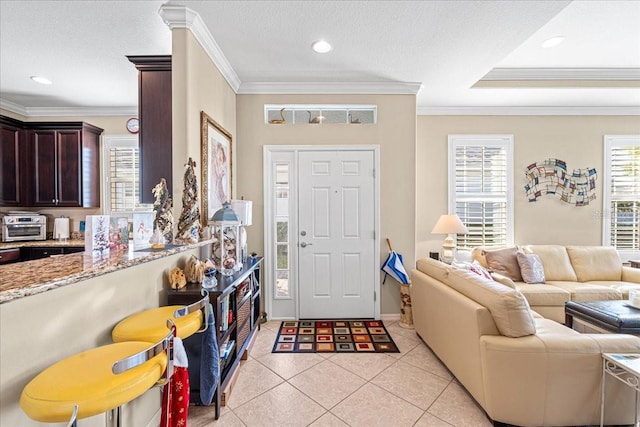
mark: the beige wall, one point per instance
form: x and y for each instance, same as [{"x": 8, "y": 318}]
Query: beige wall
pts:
[
  {"x": 578, "y": 140},
  {"x": 394, "y": 133},
  {"x": 198, "y": 86}
]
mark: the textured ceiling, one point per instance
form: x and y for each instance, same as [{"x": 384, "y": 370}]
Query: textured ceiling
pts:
[{"x": 447, "y": 46}]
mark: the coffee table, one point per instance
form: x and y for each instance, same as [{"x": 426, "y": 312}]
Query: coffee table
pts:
[
  {"x": 613, "y": 316},
  {"x": 625, "y": 368}
]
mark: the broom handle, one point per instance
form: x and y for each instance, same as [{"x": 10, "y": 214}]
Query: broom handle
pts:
[{"x": 389, "y": 244}]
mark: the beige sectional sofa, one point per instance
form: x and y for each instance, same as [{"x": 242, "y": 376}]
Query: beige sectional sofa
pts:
[
  {"x": 572, "y": 273},
  {"x": 521, "y": 368}
]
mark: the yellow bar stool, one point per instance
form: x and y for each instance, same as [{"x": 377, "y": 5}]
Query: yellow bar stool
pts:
[
  {"x": 148, "y": 325},
  {"x": 98, "y": 380}
]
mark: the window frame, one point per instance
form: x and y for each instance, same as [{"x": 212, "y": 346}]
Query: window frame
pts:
[
  {"x": 115, "y": 141},
  {"x": 609, "y": 142},
  {"x": 483, "y": 140}
]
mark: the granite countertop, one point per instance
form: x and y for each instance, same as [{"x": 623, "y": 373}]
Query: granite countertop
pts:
[
  {"x": 77, "y": 243},
  {"x": 33, "y": 277}
]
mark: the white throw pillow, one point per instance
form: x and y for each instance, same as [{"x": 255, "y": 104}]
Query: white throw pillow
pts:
[{"x": 531, "y": 268}]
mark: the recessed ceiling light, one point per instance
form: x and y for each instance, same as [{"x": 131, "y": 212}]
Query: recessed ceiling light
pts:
[
  {"x": 552, "y": 42},
  {"x": 41, "y": 80},
  {"x": 321, "y": 46}
]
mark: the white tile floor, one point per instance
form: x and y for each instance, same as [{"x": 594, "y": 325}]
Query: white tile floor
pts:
[{"x": 410, "y": 388}]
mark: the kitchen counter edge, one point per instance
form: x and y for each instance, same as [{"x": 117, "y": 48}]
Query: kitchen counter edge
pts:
[{"x": 28, "y": 278}]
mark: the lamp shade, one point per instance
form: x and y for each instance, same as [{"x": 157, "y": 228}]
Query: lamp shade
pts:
[
  {"x": 449, "y": 224},
  {"x": 243, "y": 209}
]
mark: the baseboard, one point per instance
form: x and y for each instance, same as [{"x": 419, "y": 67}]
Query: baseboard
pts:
[{"x": 390, "y": 317}]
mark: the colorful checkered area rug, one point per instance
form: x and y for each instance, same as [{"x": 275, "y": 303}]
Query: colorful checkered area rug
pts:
[{"x": 330, "y": 336}]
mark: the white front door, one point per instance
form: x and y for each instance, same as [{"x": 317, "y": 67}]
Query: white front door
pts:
[{"x": 336, "y": 234}]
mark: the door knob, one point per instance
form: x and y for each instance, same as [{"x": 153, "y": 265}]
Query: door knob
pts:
[{"x": 305, "y": 244}]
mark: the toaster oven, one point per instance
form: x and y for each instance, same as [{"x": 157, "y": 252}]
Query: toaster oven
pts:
[{"x": 18, "y": 227}]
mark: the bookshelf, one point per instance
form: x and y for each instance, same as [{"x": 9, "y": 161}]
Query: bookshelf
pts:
[{"x": 236, "y": 303}]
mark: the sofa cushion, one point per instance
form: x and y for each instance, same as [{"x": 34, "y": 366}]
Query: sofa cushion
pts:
[
  {"x": 530, "y": 267},
  {"x": 503, "y": 279},
  {"x": 630, "y": 274},
  {"x": 507, "y": 306},
  {"x": 543, "y": 295},
  {"x": 595, "y": 262},
  {"x": 555, "y": 261},
  {"x": 582, "y": 292},
  {"x": 622, "y": 287},
  {"x": 436, "y": 269},
  {"x": 505, "y": 262}
]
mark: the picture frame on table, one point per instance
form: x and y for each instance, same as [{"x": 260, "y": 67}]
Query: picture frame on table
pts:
[
  {"x": 142, "y": 229},
  {"x": 216, "y": 156}
]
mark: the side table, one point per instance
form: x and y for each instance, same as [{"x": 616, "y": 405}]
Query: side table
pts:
[{"x": 625, "y": 368}]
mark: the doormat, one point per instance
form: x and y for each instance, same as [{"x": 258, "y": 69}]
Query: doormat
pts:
[{"x": 334, "y": 336}]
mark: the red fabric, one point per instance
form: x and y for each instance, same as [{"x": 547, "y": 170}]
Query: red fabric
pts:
[{"x": 177, "y": 393}]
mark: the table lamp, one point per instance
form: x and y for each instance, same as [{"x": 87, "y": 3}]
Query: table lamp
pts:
[
  {"x": 449, "y": 225},
  {"x": 244, "y": 210}
]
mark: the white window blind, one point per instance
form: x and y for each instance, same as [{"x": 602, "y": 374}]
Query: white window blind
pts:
[
  {"x": 122, "y": 175},
  {"x": 480, "y": 190},
  {"x": 622, "y": 193}
]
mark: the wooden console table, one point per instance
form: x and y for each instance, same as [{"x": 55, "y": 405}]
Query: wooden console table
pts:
[{"x": 236, "y": 304}]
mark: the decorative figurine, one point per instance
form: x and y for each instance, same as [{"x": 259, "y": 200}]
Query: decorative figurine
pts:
[
  {"x": 279, "y": 121},
  {"x": 162, "y": 206},
  {"x": 189, "y": 223},
  {"x": 177, "y": 279},
  {"x": 157, "y": 240}
]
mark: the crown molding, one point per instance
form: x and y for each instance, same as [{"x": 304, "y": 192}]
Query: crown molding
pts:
[
  {"x": 13, "y": 107},
  {"x": 563, "y": 74},
  {"x": 67, "y": 111},
  {"x": 395, "y": 88},
  {"x": 179, "y": 16},
  {"x": 528, "y": 111}
]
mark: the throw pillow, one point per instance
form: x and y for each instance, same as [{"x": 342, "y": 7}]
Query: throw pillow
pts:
[
  {"x": 531, "y": 268},
  {"x": 505, "y": 262}
]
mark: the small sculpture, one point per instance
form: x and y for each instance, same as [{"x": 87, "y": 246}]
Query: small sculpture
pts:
[
  {"x": 279, "y": 121},
  {"x": 194, "y": 271},
  {"x": 163, "y": 206},
  {"x": 189, "y": 223},
  {"x": 177, "y": 279},
  {"x": 316, "y": 119},
  {"x": 157, "y": 240},
  {"x": 353, "y": 121}
]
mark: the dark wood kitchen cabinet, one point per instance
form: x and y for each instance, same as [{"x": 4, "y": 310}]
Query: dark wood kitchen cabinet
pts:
[
  {"x": 37, "y": 252},
  {"x": 154, "y": 112},
  {"x": 12, "y": 159},
  {"x": 49, "y": 164}
]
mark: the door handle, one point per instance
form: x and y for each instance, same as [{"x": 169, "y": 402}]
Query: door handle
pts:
[{"x": 305, "y": 244}]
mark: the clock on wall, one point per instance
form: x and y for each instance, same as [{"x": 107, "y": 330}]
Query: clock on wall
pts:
[{"x": 133, "y": 125}]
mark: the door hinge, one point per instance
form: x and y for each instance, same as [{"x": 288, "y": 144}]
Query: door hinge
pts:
[{"x": 374, "y": 296}]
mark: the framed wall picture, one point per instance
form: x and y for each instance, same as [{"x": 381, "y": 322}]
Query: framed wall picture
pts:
[{"x": 216, "y": 152}]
